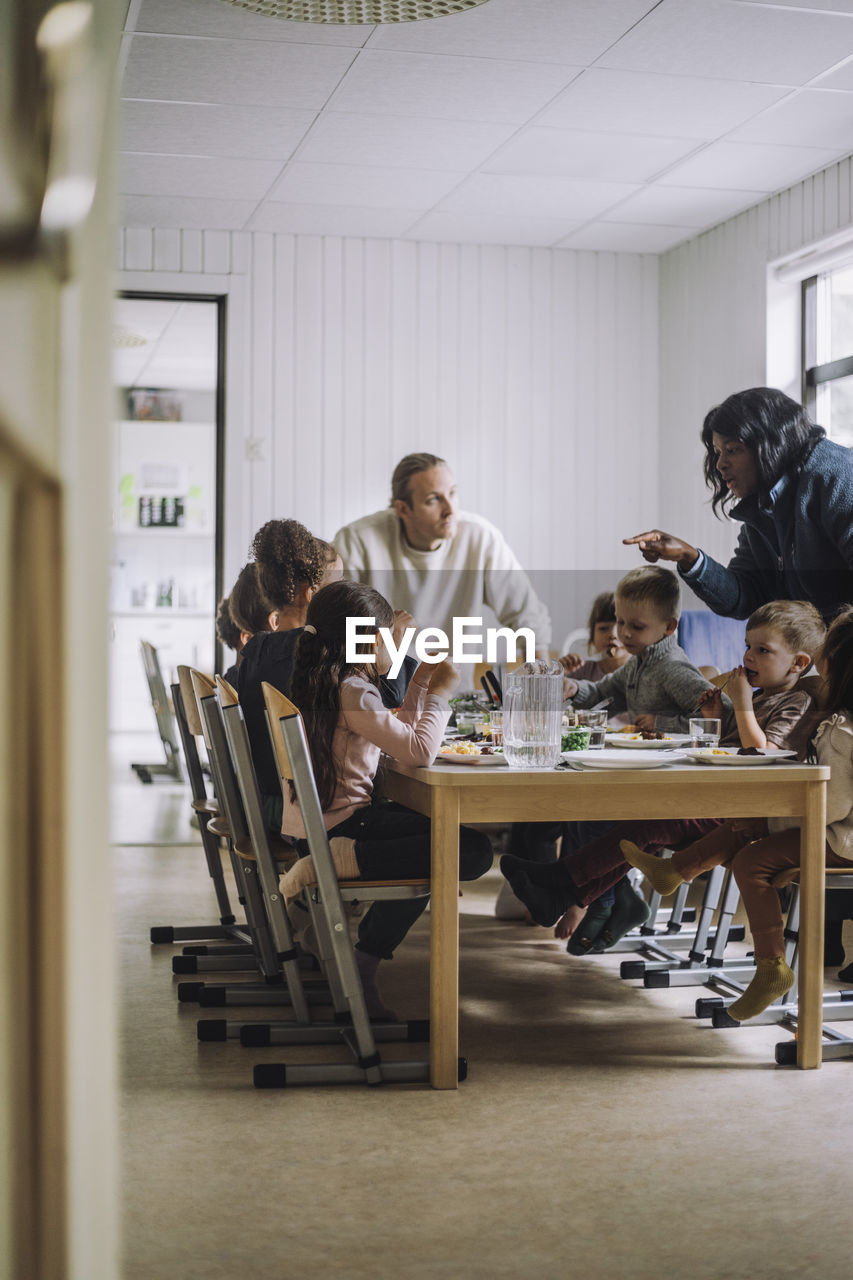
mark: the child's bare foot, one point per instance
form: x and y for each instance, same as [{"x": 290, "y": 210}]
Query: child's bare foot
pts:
[{"x": 566, "y": 925}]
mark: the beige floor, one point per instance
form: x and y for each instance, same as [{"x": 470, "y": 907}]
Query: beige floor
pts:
[{"x": 602, "y": 1133}]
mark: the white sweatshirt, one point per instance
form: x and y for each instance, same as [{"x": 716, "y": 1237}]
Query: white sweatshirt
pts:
[
  {"x": 473, "y": 568},
  {"x": 833, "y": 747}
]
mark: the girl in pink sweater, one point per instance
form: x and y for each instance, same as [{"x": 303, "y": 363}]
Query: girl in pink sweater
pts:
[{"x": 348, "y": 728}]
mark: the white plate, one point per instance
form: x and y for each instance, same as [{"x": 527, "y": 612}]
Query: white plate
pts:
[
  {"x": 705, "y": 755},
  {"x": 452, "y": 758},
  {"x": 607, "y": 759},
  {"x": 648, "y": 744}
]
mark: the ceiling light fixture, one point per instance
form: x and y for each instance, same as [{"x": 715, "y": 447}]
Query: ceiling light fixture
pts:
[{"x": 355, "y": 12}]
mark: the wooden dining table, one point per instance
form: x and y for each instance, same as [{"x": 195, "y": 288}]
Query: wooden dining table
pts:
[{"x": 451, "y": 794}]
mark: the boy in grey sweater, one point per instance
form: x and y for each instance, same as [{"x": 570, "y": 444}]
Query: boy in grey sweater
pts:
[{"x": 658, "y": 686}]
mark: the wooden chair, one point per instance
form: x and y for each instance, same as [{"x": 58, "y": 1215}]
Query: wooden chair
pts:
[
  {"x": 326, "y": 903},
  {"x": 165, "y": 723},
  {"x": 204, "y": 807},
  {"x": 258, "y": 857}
]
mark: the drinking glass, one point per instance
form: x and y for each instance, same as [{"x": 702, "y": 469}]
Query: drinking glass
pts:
[
  {"x": 596, "y": 722},
  {"x": 704, "y": 733},
  {"x": 496, "y": 724}
]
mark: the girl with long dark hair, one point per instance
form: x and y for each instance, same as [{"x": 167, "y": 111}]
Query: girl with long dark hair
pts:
[{"x": 348, "y": 727}]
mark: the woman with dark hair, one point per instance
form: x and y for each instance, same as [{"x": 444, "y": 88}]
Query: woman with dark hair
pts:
[
  {"x": 769, "y": 467},
  {"x": 347, "y": 727}
]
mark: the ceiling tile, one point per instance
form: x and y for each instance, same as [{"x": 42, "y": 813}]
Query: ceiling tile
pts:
[
  {"x": 748, "y": 165},
  {"x": 842, "y": 78},
  {"x": 245, "y": 73},
  {"x": 175, "y": 211},
  {"x": 488, "y": 228},
  {"x": 606, "y": 157},
  {"x": 810, "y": 114},
  {"x": 667, "y": 105},
  {"x": 203, "y": 18},
  {"x": 197, "y": 176},
  {"x": 544, "y": 198},
  {"x": 836, "y": 6},
  {"x": 541, "y": 30},
  {"x": 199, "y": 129},
  {"x": 412, "y": 143},
  {"x": 734, "y": 41},
  {"x": 332, "y": 220},
  {"x": 628, "y": 237},
  {"x": 683, "y": 206},
  {"x": 411, "y": 84},
  {"x": 342, "y": 184}
]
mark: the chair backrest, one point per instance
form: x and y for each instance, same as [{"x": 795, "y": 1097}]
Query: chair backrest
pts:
[
  {"x": 227, "y": 693},
  {"x": 278, "y": 707},
  {"x": 202, "y": 687},
  {"x": 224, "y": 778},
  {"x": 190, "y": 705},
  {"x": 159, "y": 697},
  {"x": 188, "y": 740}
]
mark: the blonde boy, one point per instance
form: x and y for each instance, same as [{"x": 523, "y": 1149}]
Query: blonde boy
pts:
[{"x": 658, "y": 686}]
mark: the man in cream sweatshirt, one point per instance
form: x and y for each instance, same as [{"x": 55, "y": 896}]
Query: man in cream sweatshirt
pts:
[{"x": 428, "y": 557}]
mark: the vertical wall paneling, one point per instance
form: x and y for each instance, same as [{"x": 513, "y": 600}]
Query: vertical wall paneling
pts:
[
  {"x": 217, "y": 252},
  {"x": 533, "y": 371},
  {"x": 283, "y": 420},
  {"x": 262, "y": 441},
  {"x": 239, "y": 473},
  {"x": 332, "y": 403},
  {"x": 191, "y": 250},
  {"x": 461, "y": 443},
  {"x": 138, "y": 249},
  {"x": 167, "y": 249},
  {"x": 543, "y": 510},
  {"x": 517, "y": 339},
  {"x": 376, "y": 431},
  {"x": 845, "y": 173},
  {"x": 404, "y": 392},
  {"x": 352, "y": 443}
]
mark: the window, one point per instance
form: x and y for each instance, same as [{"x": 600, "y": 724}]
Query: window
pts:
[{"x": 828, "y": 352}]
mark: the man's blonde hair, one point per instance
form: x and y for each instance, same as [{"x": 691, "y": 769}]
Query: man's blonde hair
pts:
[
  {"x": 654, "y": 585},
  {"x": 797, "y": 622}
]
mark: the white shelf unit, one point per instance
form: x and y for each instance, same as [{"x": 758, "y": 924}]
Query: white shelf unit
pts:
[{"x": 176, "y": 459}]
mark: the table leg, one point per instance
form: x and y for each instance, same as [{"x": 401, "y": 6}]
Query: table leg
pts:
[
  {"x": 444, "y": 939},
  {"x": 810, "y": 949}
]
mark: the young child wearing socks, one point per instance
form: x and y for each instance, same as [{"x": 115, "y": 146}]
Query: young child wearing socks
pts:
[
  {"x": 781, "y": 640},
  {"x": 771, "y": 856}
]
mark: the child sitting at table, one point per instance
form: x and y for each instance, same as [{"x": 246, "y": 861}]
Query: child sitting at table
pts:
[
  {"x": 771, "y": 856},
  {"x": 782, "y": 639},
  {"x": 658, "y": 685},
  {"x": 347, "y": 727},
  {"x": 608, "y": 654}
]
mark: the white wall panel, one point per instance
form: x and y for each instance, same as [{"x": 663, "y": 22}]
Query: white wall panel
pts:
[{"x": 533, "y": 371}]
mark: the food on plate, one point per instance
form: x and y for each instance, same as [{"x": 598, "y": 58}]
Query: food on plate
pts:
[
  {"x": 466, "y": 749},
  {"x": 749, "y": 751},
  {"x": 646, "y": 735}
]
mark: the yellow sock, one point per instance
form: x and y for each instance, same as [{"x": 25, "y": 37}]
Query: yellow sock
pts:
[
  {"x": 772, "y": 979},
  {"x": 658, "y": 871}
]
